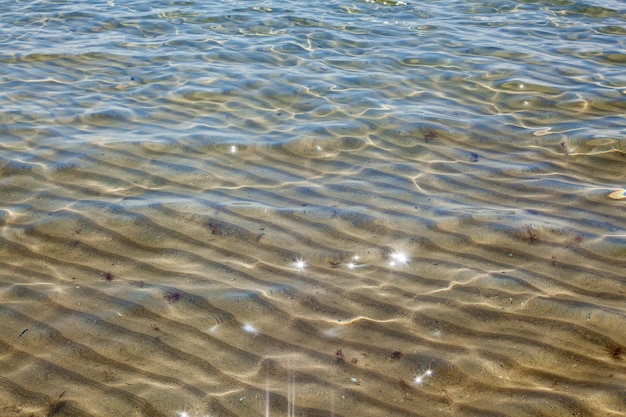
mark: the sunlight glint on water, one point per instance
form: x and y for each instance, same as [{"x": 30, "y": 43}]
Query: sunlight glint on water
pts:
[{"x": 259, "y": 208}]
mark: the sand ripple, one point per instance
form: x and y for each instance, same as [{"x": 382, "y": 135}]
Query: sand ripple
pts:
[
  {"x": 328, "y": 276},
  {"x": 346, "y": 210}
]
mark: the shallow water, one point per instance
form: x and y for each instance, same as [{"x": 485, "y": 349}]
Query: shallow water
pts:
[{"x": 312, "y": 208}]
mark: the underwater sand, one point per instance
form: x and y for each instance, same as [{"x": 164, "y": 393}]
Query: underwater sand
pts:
[
  {"x": 244, "y": 210},
  {"x": 298, "y": 289}
]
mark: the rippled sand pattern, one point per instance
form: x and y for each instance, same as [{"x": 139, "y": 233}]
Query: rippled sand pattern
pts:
[{"x": 275, "y": 215}]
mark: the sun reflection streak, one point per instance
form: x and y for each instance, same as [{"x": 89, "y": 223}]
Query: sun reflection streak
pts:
[
  {"x": 267, "y": 397},
  {"x": 419, "y": 379},
  {"x": 398, "y": 259},
  {"x": 299, "y": 264},
  {"x": 291, "y": 396}
]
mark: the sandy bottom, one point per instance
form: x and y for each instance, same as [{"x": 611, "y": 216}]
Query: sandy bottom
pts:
[{"x": 345, "y": 277}]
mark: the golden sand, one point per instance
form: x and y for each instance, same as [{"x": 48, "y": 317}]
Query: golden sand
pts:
[{"x": 320, "y": 278}]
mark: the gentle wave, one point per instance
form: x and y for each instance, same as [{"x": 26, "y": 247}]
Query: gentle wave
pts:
[{"x": 324, "y": 209}]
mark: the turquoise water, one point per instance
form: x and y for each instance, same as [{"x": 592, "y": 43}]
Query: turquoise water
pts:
[{"x": 254, "y": 208}]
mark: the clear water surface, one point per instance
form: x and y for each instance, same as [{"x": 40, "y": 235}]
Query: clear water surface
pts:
[{"x": 254, "y": 208}]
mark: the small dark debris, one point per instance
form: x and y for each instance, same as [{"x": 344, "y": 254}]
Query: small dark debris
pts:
[
  {"x": 171, "y": 296},
  {"x": 530, "y": 232},
  {"x": 396, "y": 355},
  {"x": 108, "y": 277},
  {"x": 428, "y": 136},
  {"x": 56, "y": 405},
  {"x": 614, "y": 351},
  {"x": 473, "y": 157},
  {"x": 339, "y": 357},
  {"x": 214, "y": 228},
  {"x": 334, "y": 263},
  {"x": 404, "y": 387}
]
